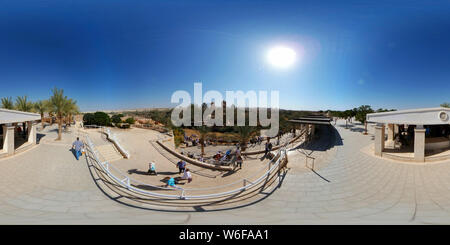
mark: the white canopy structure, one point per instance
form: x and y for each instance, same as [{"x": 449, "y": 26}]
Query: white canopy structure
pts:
[
  {"x": 428, "y": 116},
  {"x": 11, "y": 116},
  {"x": 9, "y": 120},
  {"x": 416, "y": 117}
]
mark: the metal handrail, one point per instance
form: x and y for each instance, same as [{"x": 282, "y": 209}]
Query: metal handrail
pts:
[
  {"x": 127, "y": 180},
  {"x": 111, "y": 136}
]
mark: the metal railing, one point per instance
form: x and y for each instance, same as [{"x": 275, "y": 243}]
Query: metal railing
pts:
[
  {"x": 112, "y": 137},
  {"x": 130, "y": 184}
]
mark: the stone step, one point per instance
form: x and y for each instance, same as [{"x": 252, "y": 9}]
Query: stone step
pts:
[{"x": 108, "y": 153}]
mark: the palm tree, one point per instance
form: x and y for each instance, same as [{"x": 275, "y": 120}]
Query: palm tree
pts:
[
  {"x": 7, "y": 103},
  {"x": 70, "y": 109},
  {"x": 446, "y": 104},
  {"x": 245, "y": 132},
  {"x": 203, "y": 132},
  {"x": 58, "y": 104},
  {"x": 361, "y": 115},
  {"x": 22, "y": 104},
  {"x": 41, "y": 107}
]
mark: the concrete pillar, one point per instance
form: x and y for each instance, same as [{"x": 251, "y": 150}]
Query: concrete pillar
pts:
[
  {"x": 379, "y": 139},
  {"x": 8, "y": 138},
  {"x": 419, "y": 144},
  {"x": 390, "y": 132},
  {"x": 31, "y": 132}
]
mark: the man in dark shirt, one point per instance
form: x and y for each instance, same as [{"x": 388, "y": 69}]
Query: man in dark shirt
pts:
[{"x": 181, "y": 166}]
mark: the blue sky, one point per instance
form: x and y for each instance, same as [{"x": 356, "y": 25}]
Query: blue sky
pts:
[{"x": 133, "y": 54}]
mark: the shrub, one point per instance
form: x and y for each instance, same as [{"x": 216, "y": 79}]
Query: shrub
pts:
[
  {"x": 130, "y": 120},
  {"x": 102, "y": 119},
  {"x": 116, "y": 118},
  {"x": 88, "y": 119},
  {"x": 124, "y": 125}
]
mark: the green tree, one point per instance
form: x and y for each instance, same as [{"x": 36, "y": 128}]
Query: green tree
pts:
[
  {"x": 88, "y": 119},
  {"x": 101, "y": 119},
  {"x": 203, "y": 132},
  {"x": 117, "y": 118},
  {"x": 58, "y": 105},
  {"x": 361, "y": 115},
  {"x": 245, "y": 132},
  {"x": 23, "y": 104},
  {"x": 130, "y": 120},
  {"x": 347, "y": 114},
  {"x": 446, "y": 104},
  {"x": 41, "y": 107},
  {"x": 7, "y": 103},
  {"x": 70, "y": 109}
]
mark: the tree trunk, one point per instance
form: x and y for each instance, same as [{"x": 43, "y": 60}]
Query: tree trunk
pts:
[
  {"x": 365, "y": 127},
  {"x": 59, "y": 127},
  {"x": 202, "y": 143},
  {"x": 243, "y": 146},
  {"x": 42, "y": 120}
]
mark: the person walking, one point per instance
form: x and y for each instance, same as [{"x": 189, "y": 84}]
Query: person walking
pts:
[
  {"x": 181, "y": 166},
  {"x": 239, "y": 162},
  {"x": 77, "y": 146}
]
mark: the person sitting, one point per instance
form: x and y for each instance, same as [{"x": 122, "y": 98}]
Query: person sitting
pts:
[
  {"x": 217, "y": 156},
  {"x": 152, "y": 169},
  {"x": 171, "y": 182}
]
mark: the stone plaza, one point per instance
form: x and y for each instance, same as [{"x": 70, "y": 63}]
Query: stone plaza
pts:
[{"x": 349, "y": 184}]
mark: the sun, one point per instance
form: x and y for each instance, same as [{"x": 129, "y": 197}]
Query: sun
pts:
[{"x": 281, "y": 57}]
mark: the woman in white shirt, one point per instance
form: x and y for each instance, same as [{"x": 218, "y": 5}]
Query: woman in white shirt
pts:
[{"x": 187, "y": 175}]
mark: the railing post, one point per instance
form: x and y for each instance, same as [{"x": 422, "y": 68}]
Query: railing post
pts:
[{"x": 245, "y": 182}]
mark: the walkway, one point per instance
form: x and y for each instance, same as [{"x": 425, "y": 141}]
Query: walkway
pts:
[{"x": 46, "y": 185}]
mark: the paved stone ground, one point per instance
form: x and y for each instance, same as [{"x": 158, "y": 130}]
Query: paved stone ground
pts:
[{"x": 46, "y": 185}]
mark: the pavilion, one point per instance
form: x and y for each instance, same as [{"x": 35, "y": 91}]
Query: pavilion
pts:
[
  {"x": 17, "y": 131},
  {"x": 416, "y": 135},
  {"x": 312, "y": 121}
]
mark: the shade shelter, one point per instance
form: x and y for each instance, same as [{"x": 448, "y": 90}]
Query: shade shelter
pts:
[
  {"x": 311, "y": 121},
  {"x": 17, "y": 127},
  {"x": 426, "y": 130}
]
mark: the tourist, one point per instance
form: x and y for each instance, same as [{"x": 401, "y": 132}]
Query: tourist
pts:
[
  {"x": 77, "y": 145},
  {"x": 266, "y": 149},
  {"x": 187, "y": 175},
  {"x": 238, "y": 152},
  {"x": 171, "y": 182},
  {"x": 152, "y": 169},
  {"x": 181, "y": 166},
  {"x": 239, "y": 162}
]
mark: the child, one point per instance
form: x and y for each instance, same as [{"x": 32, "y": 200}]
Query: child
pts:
[{"x": 152, "y": 169}]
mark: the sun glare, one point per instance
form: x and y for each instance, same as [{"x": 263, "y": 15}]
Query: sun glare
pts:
[{"x": 281, "y": 57}]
